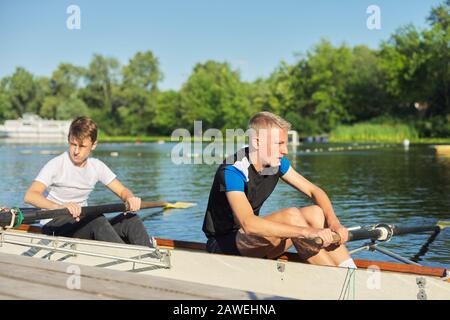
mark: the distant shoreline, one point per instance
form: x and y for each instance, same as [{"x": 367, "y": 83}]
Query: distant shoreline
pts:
[{"x": 156, "y": 139}]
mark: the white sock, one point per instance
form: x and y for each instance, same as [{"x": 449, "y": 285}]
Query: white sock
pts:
[{"x": 349, "y": 263}]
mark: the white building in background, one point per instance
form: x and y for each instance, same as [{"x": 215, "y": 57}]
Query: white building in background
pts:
[
  {"x": 31, "y": 126},
  {"x": 295, "y": 139}
]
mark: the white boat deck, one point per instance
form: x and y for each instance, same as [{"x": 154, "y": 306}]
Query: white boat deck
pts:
[{"x": 36, "y": 279}]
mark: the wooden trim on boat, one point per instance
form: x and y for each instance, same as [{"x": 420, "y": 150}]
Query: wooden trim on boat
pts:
[
  {"x": 172, "y": 244},
  {"x": 29, "y": 228},
  {"x": 404, "y": 268},
  {"x": 292, "y": 257}
]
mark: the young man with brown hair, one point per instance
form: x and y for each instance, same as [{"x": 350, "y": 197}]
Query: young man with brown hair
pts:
[
  {"x": 69, "y": 179},
  {"x": 244, "y": 182}
]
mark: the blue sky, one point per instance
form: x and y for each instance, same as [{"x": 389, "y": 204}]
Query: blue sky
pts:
[{"x": 252, "y": 35}]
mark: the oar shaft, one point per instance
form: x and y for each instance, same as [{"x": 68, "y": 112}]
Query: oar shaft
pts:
[
  {"x": 379, "y": 233},
  {"x": 383, "y": 232},
  {"x": 31, "y": 215},
  {"x": 415, "y": 229},
  {"x": 155, "y": 204},
  {"x": 362, "y": 234}
]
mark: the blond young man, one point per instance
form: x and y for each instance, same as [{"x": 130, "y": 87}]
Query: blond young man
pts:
[
  {"x": 244, "y": 182},
  {"x": 69, "y": 179}
]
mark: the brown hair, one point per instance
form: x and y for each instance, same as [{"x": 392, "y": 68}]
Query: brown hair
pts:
[
  {"x": 83, "y": 127},
  {"x": 267, "y": 120}
]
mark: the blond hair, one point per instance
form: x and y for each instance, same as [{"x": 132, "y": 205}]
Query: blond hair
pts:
[{"x": 266, "y": 120}]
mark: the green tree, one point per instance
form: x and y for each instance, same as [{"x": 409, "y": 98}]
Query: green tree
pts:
[
  {"x": 167, "y": 112},
  {"x": 331, "y": 68},
  {"x": 318, "y": 86},
  {"x": 21, "y": 90},
  {"x": 280, "y": 96},
  {"x": 139, "y": 93},
  {"x": 6, "y": 108},
  {"x": 366, "y": 96},
  {"x": 71, "y": 108},
  {"x": 438, "y": 44},
  {"x": 62, "y": 91},
  {"x": 65, "y": 80},
  {"x": 214, "y": 94},
  {"x": 102, "y": 92},
  {"x": 417, "y": 65}
]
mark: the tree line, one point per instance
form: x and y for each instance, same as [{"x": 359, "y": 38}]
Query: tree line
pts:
[{"x": 405, "y": 80}]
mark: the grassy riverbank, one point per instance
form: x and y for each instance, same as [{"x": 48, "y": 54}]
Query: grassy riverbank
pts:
[
  {"x": 369, "y": 132},
  {"x": 380, "y": 133},
  {"x": 140, "y": 139},
  {"x": 135, "y": 139},
  {"x": 361, "y": 133}
]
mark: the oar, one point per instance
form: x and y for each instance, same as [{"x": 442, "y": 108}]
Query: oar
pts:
[
  {"x": 30, "y": 215},
  {"x": 383, "y": 232}
]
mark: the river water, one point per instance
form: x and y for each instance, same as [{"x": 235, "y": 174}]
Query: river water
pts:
[{"x": 367, "y": 184}]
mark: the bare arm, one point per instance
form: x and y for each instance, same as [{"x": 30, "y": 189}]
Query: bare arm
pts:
[
  {"x": 35, "y": 197},
  {"x": 255, "y": 225},
  {"x": 319, "y": 197},
  {"x": 134, "y": 203}
]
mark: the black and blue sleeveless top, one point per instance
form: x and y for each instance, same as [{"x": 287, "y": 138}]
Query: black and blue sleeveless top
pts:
[{"x": 236, "y": 173}]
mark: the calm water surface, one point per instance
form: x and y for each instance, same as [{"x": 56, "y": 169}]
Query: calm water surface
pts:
[{"x": 367, "y": 186}]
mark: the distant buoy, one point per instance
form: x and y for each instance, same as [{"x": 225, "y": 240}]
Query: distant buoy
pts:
[
  {"x": 406, "y": 143},
  {"x": 161, "y": 142},
  {"x": 114, "y": 154},
  {"x": 47, "y": 152}
]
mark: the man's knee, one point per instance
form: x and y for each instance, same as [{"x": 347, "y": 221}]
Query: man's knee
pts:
[
  {"x": 99, "y": 221},
  {"x": 132, "y": 219},
  {"x": 132, "y": 223},
  {"x": 295, "y": 217},
  {"x": 314, "y": 216}
]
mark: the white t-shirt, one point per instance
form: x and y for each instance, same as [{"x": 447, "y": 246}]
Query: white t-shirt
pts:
[{"x": 66, "y": 182}]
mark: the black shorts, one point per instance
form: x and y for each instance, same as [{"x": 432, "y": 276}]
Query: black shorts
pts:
[{"x": 223, "y": 244}]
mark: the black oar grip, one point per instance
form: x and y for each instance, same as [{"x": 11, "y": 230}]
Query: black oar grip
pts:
[
  {"x": 31, "y": 215},
  {"x": 5, "y": 218}
]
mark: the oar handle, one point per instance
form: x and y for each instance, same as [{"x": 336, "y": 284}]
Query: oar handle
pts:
[{"x": 336, "y": 239}]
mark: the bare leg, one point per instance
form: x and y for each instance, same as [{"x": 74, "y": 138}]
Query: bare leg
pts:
[
  {"x": 293, "y": 216},
  {"x": 315, "y": 218}
]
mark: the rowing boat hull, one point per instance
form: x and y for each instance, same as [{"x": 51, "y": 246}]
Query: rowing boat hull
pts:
[{"x": 271, "y": 277}]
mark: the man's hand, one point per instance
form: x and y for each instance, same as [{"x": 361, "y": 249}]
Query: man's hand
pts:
[
  {"x": 341, "y": 231},
  {"x": 74, "y": 209},
  {"x": 134, "y": 204},
  {"x": 325, "y": 234}
]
